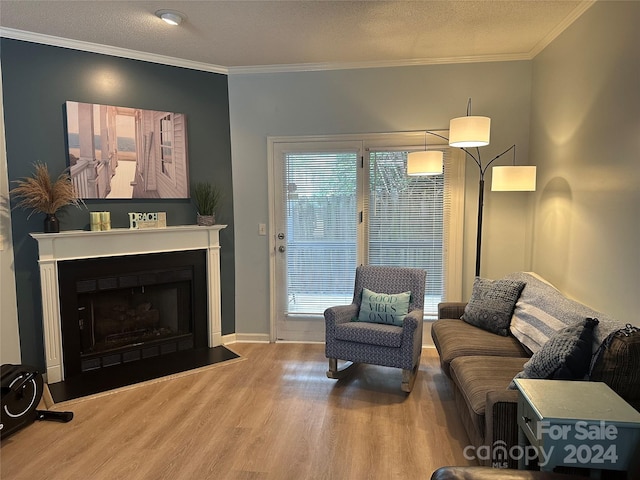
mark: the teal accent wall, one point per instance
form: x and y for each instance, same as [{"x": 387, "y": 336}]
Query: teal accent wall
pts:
[{"x": 37, "y": 80}]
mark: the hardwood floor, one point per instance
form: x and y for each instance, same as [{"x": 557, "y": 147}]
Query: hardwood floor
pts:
[{"x": 272, "y": 415}]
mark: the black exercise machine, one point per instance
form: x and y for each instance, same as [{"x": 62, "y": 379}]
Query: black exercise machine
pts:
[{"x": 22, "y": 388}]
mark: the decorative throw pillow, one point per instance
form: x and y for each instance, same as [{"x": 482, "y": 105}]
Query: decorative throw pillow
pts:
[
  {"x": 542, "y": 310},
  {"x": 383, "y": 308},
  {"x": 565, "y": 356},
  {"x": 617, "y": 363},
  {"x": 491, "y": 304}
]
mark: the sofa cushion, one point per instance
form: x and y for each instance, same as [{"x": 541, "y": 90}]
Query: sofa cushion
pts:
[
  {"x": 566, "y": 356},
  {"x": 385, "y": 308},
  {"x": 370, "y": 333},
  {"x": 476, "y": 376},
  {"x": 491, "y": 304},
  {"x": 454, "y": 338}
]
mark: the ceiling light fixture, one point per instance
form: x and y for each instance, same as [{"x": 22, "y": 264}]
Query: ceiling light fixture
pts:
[{"x": 170, "y": 16}]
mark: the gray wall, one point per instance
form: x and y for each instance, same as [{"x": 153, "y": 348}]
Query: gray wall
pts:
[
  {"x": 370, "y": 101},
  {"x": 584, "y": 137},
  {"x": 37, "y": 81}
]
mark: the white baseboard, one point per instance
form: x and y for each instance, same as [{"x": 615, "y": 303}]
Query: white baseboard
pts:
[
  {"x": 308, "y": 342},
  {"x": 264, "y": 338},
  {"x": 246, "y": 338}
]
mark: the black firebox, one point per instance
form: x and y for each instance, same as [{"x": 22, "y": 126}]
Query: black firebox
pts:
[{"x": 119, "y": 310}]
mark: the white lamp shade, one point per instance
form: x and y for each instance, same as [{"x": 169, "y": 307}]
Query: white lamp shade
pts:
[
  {"x": 470, "y": 131},
  {"x": 424, "y": 163},
  {"x": 513, "y": 179}
]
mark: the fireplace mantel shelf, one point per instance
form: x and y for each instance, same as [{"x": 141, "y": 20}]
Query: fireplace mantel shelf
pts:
[
  {"x": 84, "y": 244},
  {"x": 125, "y": 231},
  {"x": 76, "y": 244}
]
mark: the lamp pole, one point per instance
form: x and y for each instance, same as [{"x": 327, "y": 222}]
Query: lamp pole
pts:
[
  {"x": 479, "y": 229},
  {"x": 482, "y": 169}
]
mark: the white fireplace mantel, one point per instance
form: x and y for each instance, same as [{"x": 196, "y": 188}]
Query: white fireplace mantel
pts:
[{"x": 82, "y": 244}]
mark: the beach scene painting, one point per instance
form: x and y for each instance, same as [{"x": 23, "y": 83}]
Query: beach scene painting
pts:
[{"x": 126, "y": 152}]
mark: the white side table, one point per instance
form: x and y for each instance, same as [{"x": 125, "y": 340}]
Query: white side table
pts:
[{"x": 576, "y": 424}]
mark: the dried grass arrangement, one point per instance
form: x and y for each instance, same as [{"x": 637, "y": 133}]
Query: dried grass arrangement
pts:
[{"x": 41, "y": 194}]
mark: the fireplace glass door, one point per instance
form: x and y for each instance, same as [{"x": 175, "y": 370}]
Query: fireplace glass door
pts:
[{"x": 127, "y": 318}]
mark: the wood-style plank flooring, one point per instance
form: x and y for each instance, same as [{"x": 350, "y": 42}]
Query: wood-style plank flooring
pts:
[{"x": 271, "y": 415}]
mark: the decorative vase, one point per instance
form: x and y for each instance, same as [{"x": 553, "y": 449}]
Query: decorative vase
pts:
[
  {"x": 206, "y": 220},
  {"x": 51, "y": 223}
]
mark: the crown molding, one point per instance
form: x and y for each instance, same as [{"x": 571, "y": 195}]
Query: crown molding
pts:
[
  {"x": 109, "y": 50},
  {"x": 561, "y": 27},
  {"x": 314, "y": 67}
]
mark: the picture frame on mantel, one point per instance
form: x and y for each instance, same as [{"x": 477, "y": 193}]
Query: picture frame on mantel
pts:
[{"x": 120, "y": 152}]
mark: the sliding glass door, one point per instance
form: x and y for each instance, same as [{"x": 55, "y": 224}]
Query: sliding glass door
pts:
[{"x": 339, "y": 204}]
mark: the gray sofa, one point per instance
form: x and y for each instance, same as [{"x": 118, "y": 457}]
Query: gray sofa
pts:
[{"x": 482, "y": 364}]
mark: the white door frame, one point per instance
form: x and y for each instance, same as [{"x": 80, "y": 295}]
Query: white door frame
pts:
[
  {"x": 455, "y": 229},
  {"x": 348, "y": 143}
]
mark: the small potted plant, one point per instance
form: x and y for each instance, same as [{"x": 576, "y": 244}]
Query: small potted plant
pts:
[
  {"x": 42, "y": 194},
  {"x": 207, "y": 197}
]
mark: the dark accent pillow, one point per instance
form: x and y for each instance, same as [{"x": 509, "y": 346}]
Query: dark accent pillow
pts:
[
  {"x": 565, "y": 356},
  {"x": 491, "y": 304},
  {"x": 617, "y": 363}
]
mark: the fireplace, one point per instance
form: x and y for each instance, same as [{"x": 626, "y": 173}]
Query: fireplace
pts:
[
  {"x": 118, "y": 296},
  {"x": 125, "y": 309}
]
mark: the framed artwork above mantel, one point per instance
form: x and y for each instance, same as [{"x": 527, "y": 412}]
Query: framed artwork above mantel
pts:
[{"x": 120, "y": 152}]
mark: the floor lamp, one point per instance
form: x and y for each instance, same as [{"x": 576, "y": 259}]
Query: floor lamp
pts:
[{"x": 473, "y": 132}]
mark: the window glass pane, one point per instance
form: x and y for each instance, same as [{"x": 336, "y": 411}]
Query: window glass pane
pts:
[
  {"x": 166, "y": 149},
  {"x": 405, "y": 216},
  {"x": 321, "y": 212}
]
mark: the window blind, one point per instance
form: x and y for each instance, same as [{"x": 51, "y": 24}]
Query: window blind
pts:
[
  {"x": 339, "y": 212},
  {"x": 321, "y": 215},
  {"x": 406, "y": 217}
]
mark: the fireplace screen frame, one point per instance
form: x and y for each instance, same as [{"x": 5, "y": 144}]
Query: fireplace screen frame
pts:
[{"x": 111, "y": 273}]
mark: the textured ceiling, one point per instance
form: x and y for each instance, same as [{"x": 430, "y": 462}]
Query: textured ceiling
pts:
[{"x": 331, "y": 33}]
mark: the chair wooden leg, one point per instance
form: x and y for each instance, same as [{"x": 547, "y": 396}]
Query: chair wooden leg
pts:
[
  {"x": 336, "y": 373},
  {"x": 409, "y": 378}
]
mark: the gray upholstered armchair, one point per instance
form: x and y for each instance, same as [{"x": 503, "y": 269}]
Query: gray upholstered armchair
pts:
[{"x": 374, "y": 343}]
